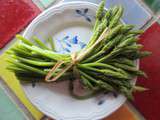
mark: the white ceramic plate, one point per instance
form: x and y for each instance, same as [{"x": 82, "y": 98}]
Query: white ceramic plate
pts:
[{"x": 70, "y": 26}]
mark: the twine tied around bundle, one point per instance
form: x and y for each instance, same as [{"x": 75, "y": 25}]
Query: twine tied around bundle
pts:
[
  {"x": 49, "y": 78},
  {"x": 74, "y": 60}
]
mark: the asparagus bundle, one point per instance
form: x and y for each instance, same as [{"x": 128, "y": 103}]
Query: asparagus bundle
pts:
[{"x": 106, "y": 64}]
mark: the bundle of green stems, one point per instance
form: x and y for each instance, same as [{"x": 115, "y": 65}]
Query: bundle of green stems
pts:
[{"x": 106, "y": 64}]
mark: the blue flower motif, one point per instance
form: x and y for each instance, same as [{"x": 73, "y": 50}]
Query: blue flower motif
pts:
[
  {"x": 86, "y": 10},
  {"x": 88, "y": 19},
  {"x": 68, "y": 43},
  {"x": 82, "y": 45},
  {"x": 66, "y": 37},
  {"x": 83, "y": 13},
  {"x": 75, "y": 40},
  {"x": 79, "y": 12},
  {"x": 101, "y": 102},
  {"x": 67, "y": 50},
  {"x": 65, "y": 40}
]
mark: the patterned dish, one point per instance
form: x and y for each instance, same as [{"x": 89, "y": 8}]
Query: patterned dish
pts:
[{"x": 70, "y": 26}]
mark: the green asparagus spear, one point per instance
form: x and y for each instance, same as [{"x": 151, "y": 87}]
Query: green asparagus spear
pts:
[
  {"x": 129, "y": 68},
  {"x": 24, "y": 39},
  {"x": 137, "y": 55},
  {"x": 27, "y": 67},
  {"x": 126, "y": 28},
  {"x": 116, "y": 18},
  {"x": 136, "y": 32},
  {"x": 40, "y": 43},
  {"x": 50, "y": 41},
  {"x": 97, "y": 33},
  {"x": 124, "y": 61},
  {"x": 99, "y": 14},
  {"x": 34, "y": 62}
]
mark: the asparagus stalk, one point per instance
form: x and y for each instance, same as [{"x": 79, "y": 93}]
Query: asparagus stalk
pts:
[
  {"x": 24, "y": 40},
  {"x": 99, "y": 14},
  {"x": 50, "y": 41},
  {"x": 40, "y": 43}
]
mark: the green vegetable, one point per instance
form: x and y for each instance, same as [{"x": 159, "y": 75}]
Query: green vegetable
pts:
[
  {"x": 34, "y": 62},
  {"x": 50, "y": 41},
  {"x": 97, "y": 32},
  {"x": 129, "y": 68},
  {"x": 27, "y": 67},
  {"x": 126, "y": 28},
  {"x": 99, "y": 14},
  {"x": 116, "y": 18},
  {"x": 124, "y": 61},
  {"x": 40, "y": 43},
  {"x": 24, "y": 40}
]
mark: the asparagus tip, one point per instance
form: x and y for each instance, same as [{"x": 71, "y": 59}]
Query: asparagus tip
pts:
[{"x": 140, "y": 88}]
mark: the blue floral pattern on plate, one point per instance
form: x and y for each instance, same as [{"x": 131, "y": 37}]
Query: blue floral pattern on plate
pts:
[
  {"x": 67, "y": 44},
  {"x": 84, "y": 13}
]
